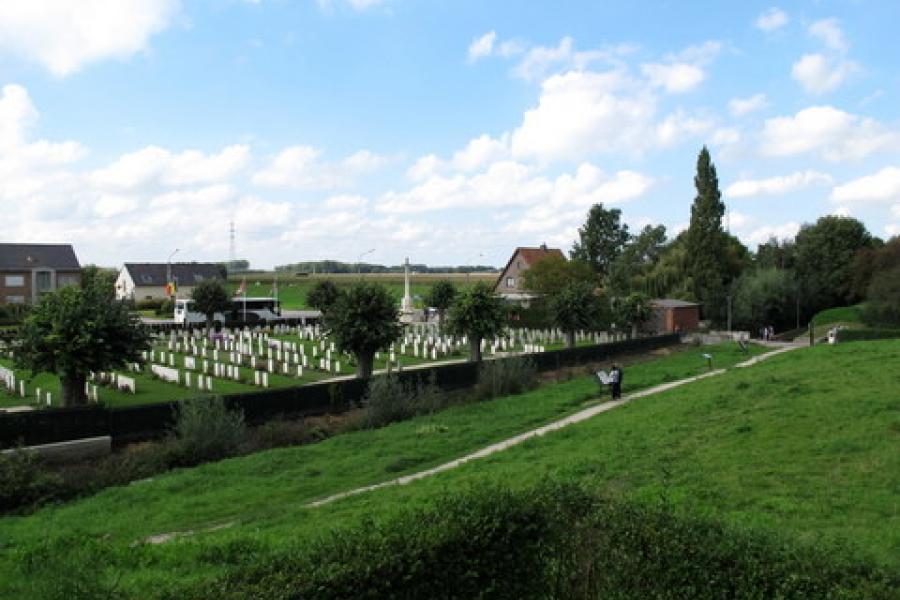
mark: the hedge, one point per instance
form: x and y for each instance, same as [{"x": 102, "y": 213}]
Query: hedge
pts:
[
  {"x": 853, "y": 335},
  {"x": 554, "y": 540},
  {"x": 127, "y": 424}
]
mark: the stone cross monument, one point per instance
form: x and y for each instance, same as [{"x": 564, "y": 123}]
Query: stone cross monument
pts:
[{"x": 406, "y": 305}]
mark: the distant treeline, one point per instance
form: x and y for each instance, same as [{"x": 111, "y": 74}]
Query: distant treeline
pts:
[{"x": 333, "y": 266}]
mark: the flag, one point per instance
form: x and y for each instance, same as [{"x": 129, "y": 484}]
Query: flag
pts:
[
  {"x": 171, "y": 288},
  {"x": 242, "y": 289}
]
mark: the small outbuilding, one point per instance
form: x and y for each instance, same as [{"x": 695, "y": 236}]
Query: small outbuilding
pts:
[{"x": 671, "y": 315}]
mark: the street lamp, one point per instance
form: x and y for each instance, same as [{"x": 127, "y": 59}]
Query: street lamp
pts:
[
  {"x": 169, "y": 268},
  {"x": 359, "y": 260}
]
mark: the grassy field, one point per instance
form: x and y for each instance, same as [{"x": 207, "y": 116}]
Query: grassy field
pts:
[
  {"x": 846, "y": 316},
  {"x": 719, "y": 446},
  {"x": 292, "y": 290}
]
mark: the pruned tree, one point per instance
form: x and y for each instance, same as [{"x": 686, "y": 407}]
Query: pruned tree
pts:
[
  {"x": 210, "y": 297},
  {"x": 478, "y": 314},
  {"x": 74, "y": 331},
  {"x": 362, "y": 321},
  {"x": 441, "y": 296},
  {"x": 323, "y": 295},
  {"x": 575, "y": 307}
]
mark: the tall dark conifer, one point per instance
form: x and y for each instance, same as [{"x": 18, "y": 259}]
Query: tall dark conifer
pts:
[{"x": 706, "y": 241}]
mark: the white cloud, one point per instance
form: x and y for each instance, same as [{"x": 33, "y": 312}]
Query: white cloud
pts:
[
  {"x": 675, "y": 78},
  {"x": 63, "y": 36},
  {"x": 355, "y": 5},
  {"x": 346, "y": 202},
  {"x": 880, "y": 187},
  {"x": 299, "y": 167},
  {"x": 762, "y": 234},
  {"x": 481, "y": 151},
  {"x": 819, "y": 74},
  {"x": 835, "y": 134},
  {"x": 739, "y": 107},
  {"x": 155, "y": 165},
  {"x": 777, "y": 186},
  {"x": 772, "y": 19},
  {"x": 725, "y": 136},
  {"x": 828, "y": 31},
  {"x": 482, "y": 46},
  {"x": 540, "y": 61}
]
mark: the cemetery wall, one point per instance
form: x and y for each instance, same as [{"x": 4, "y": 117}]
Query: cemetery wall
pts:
[{"x": 134, "y": 423}]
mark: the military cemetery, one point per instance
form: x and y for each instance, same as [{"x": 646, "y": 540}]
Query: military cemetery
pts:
[{"x": 371, "y": 299}]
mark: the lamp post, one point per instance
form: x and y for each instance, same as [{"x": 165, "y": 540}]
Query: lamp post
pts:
[
  {"x": 359, "y": 261},
  {"x": 169, "y": 268}
]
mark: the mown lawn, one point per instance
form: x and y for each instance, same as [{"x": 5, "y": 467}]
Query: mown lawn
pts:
[{"x": 265, "y": 493}]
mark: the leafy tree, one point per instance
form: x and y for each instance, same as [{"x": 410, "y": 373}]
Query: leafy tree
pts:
[
  {"x": 706, "y": 243},
  {"x": 97, "y": 277},
  {"x": 765, "y": 297},
  {"x": 575, "y": 307},
  {"x": 478, "y": 314},
  {"x": 633, "y": 310},
  {"x": 775, "y": 255},
  {"x": 629, "y": 272},
  {"x": 869, "y": 261},
  {"x": 323, "y": 295},
  {"x": 670, "y": 277},
  {"x": 74, "y": 331},
  {"x": 553, "y": 273},
  {"x": 883, "y": 305},
  {"x": 210, "y": 297},
  {"x": 824, "y": 253},
  {"x": 601, "y": 239},
  {"x": 363, "y": 321},
  {"x": 441, "y": 296}
]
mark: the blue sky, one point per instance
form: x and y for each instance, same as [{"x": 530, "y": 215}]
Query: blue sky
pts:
[{"x": 448, "y": 131}]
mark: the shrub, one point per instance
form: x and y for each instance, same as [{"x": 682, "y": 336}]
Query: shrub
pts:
[
  {"x": 206, "y": 429},
  {"x": 149, "y": 304},
  {"x": 388, "y": 399},
  {"x": 553, "y": 540},
  {"x": 505, "y": 376},
  {"x": 852, "y": 335},
  {"x": 166, "y": 308},
  {"x": 24, "y": 482}
]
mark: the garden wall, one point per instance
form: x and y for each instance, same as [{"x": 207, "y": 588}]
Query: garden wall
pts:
[{"x": 133, "y": 423}]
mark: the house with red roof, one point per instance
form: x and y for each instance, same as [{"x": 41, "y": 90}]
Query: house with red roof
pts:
[{"x": 509, "y": 283}]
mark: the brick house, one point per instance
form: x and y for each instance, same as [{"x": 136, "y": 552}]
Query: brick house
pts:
[
  {"x": 671, "y": 315},
  {"x": 509, "y": 283},
  {"x": 147, "y": 281},
  {"x": 29, "y": 270}
]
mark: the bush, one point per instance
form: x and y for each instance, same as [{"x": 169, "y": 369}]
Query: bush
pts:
[
  {"x": 389, "y": 399},
  {"x": 853, "y": 335},
  {"x": 205, "y": 429},
  {"x": 554, "y": 540},
  {"x": 166, "y": 308},
  {"x": 505, "y": 376},
  {"x": 24, "y": 482},
  {"x": 149, "y": 304}
]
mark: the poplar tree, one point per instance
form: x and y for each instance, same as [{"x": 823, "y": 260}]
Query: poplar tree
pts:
[{"x": 706, "y": 242}]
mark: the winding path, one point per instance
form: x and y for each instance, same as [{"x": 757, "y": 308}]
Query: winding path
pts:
[{"x": 573, "y": 418}]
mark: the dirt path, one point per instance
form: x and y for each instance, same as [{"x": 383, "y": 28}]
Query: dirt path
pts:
[{"x": 573, "y": 418}]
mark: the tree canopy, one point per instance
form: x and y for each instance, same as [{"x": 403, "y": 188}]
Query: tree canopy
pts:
[
  {"x": 362, "y": 321},
  {"x": 74, "y": 331},
  {"x": 553, "y": 273},
  {"x": 478, "y": 313},
  {"x": 633, "y": 310},
  {"x": 601, "y": 239},
  {"x": 441, "y": 296},
  {"x": 210, "y": 297},
  {"x": 323, "y": 295},
  {"x": 575, "y": 307}
]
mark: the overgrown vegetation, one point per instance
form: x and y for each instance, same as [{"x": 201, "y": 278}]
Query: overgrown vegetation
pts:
[
  {"x": 504, "y": 377},
  {"x": 389, "y": 400},
  {"x": 206, "y": 429}
]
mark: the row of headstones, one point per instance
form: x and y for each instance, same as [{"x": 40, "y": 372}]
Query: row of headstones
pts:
[
  {"x": 123, "y": 383},
  {"x": 203, "y": 383}
]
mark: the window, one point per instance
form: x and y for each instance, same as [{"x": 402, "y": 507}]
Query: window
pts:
[
  {"x": 510, "y": 282},
  {"x": 15, "y": 299},
  {"x": 147, "y": 279},
  {"x": 42, "y": 281},
  {"x": 519, "y": 265},
  {"x": 15, "y": 281},
  {"x": 198, "y": 278},
  {"x": 66, "y": 280}
]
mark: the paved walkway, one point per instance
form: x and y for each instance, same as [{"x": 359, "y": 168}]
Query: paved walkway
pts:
[{"x": 573, "y": 418}]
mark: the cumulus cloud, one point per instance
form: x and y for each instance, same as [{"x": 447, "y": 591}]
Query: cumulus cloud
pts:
[
  {"x": 819, "y": 74},
  {"x": 829, "y": 32},
  {"x": 674, "y": 78},
  {"x": 300, "y": 168},
  {"x": 155, "y": 165},
  {"x": 833, "y": 133},
  {"x": 63, "y": 36},
  {"x": 772, "y": 19},
  {"x": 762, "y": 234},
  {"x": 346, "y": 202},
  {"x": 777, "y": 186},
  {"x": 739, "y": 107},
  {"x": 482, "y": 46},
  {"x": 880, "y": 187}
]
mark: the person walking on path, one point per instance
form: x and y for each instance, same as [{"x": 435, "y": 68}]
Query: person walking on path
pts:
[{"x": 615, "y": 380}]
